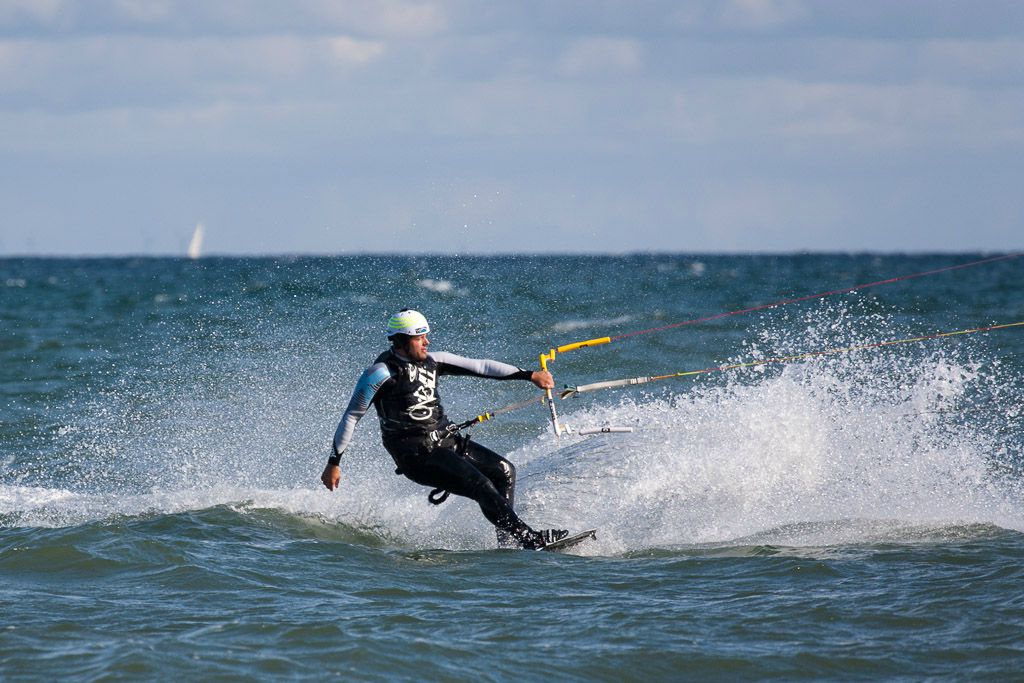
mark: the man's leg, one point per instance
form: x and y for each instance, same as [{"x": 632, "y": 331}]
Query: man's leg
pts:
[
  {"x": 502, "y": 474},
  {"x": 500, "y": 471},
  {"x": 446, "y": 469}
]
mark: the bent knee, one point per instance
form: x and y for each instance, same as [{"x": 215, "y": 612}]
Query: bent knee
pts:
[{"x": 508, "y": 471}]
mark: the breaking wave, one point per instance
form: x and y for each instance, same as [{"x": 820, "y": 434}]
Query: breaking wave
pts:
[{"x": 854, "y": 446}]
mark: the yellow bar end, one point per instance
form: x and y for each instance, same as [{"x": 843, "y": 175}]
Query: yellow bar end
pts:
[{"x": 584, "y": 344}]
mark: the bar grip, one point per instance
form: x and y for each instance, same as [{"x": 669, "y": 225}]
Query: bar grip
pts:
[{"x": 584, "y": 344}]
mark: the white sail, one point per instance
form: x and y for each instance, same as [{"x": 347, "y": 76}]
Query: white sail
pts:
[{"x": 195, "y": 247}]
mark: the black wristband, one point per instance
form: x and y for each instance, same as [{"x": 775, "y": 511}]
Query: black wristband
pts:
[{"x": 334, "y": 460}]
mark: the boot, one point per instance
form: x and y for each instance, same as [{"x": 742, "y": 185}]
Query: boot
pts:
[{"x": 536, "y": 540}]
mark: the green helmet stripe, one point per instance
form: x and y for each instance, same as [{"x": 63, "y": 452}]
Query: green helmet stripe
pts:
[{"x": 408, "y": 322}]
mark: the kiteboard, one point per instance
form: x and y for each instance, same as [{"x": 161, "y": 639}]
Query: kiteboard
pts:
[{"x": 571, "y": 541}]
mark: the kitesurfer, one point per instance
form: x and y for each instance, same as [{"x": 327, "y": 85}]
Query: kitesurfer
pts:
[{"x": 402, "y": 385}]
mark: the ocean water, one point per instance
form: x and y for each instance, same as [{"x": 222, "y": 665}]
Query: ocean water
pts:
[{"x": 163, "y": 425}]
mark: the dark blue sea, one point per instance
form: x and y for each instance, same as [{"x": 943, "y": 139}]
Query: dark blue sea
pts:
[{"x": 845, "y": 516}]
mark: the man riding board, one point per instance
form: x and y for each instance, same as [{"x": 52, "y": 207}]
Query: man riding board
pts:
[{"x": 402, "y": 385}]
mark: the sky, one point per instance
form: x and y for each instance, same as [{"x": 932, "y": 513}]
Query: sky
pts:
[{"x": 456, "y": 126}]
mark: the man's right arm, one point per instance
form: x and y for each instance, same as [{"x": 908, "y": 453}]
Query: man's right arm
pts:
[{"x": 370, "y": 382}]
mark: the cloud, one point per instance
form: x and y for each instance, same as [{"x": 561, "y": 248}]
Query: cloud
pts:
[
  {"x": 365, "y": 19},
  {"x": 978, "y": 62},
  {"x": 93, "y": 72},
  {"x": 381, "y": 18},
  {"x": 31, "y": 12},
  {"x": 142, "y": 12},
  {"x": 751, "y": 214},
  {"x": 854, "y": 116},
  {"x": 601, "y": 56},
  {"x": 350, "y": 51},
  {"x": 761, "y": 15},
  {"x": 573, "y": 119}
]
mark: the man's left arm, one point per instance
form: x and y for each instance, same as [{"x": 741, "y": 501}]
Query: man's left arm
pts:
[{"x": 452, "y": 364}]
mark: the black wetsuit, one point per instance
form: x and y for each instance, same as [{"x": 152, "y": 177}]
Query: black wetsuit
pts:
[{"x": 404, "y": 393}]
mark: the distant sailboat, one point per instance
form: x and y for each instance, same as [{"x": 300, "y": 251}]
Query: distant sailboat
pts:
[{"x": 195, "y": 247}]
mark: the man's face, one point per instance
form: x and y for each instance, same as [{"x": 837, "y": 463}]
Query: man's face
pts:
[{"x": 417, "y": 348}]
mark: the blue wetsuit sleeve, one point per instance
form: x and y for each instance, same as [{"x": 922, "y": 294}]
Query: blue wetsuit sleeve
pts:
[
  {"x": 372, "y": 379},
  {"x": 451, "y": 364}
]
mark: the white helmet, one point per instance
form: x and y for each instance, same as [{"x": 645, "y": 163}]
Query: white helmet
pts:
[{"x": 408, "y": 321}]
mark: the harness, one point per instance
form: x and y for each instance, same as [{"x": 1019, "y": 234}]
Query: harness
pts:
[{"x": 434, "y": 439}]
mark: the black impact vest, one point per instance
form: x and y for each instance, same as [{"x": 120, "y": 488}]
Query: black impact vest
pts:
[{"x": 409, "y": 405}]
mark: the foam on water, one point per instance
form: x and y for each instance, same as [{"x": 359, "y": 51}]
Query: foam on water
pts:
[
  {"x": 596, "y": 323},
  {"x": 440, "y": 286},
  {"x": 798, "y": 458},
  {"x": 885, "y": 439},
  {"x": 904, "y": 437}
]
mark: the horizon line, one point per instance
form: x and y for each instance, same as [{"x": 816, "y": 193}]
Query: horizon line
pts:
[{"x": 530, "y": 254}]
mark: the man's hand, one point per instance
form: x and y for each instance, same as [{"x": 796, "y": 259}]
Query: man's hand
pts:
[
  {"x": 542, "y": 379},
  {"x": 331, "y": 476}
]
